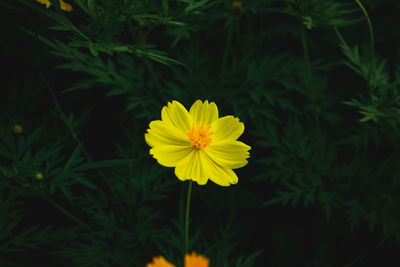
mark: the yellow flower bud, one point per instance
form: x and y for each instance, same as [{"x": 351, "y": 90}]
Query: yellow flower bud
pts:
[
  {"x": 39, "y": 175},
  {"x": 17, "y": 129},
  {"x": 236, "y": 7}
]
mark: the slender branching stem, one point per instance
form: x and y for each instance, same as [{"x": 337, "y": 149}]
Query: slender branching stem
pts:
[
  {"x": 63, "y": 116},
  {"x": 371, "y": 37},
  {"x": 75, "y": 137},
  {"x": 66, "y": 212},
  {"x": 312, "y": 92},
  {"x": 153, "y": 74},
  {"x": 72, "y": 131},
  {"x": 150, "y": 68},
  {"x": 356, "y": 260},
  {"x": 308, "y": 63},
  {"x": 70, "y": 127},
  {"x": 11, "y": 187},
  {"x": 228, "y": 44},
  {"x": 189, "y": 194}
]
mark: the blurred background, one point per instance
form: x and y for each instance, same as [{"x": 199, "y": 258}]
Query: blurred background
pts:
[{"x": 316, "y": 83}]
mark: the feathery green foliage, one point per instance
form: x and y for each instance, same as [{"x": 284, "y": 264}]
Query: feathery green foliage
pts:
[{"x": 315, "y": 82}]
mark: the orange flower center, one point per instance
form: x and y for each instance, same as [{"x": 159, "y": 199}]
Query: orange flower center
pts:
[{"x": 200, "y": 135}]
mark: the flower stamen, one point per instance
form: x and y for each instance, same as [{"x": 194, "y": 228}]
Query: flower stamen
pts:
[{"x": 200, "y": 135}]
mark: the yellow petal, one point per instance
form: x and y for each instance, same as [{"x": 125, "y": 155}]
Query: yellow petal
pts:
[
  {"x": 170, "y": 156},
  {"x": 193, "y": 167},
  {"x": 160, "y": 134},
  {"x": 45, "y": 2},
  {"x": 229, "y": 154},
  {"x": 199, "y": 167},
  {"x": 177, "y": 115},
  {"x": 220, "y": 175},
  {"x": 227, "y": 128},
  {"x": 65, "y": 6},
  {"x": 203, "y": 112},
  {"x": 194, "y": 260},
  {"x": 159, "y": 261}
]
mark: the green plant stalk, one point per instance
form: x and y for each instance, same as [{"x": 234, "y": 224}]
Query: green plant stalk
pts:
[
  {"x": 75, "y": 137},
  {"x": 371, "y": 37},
  {"x": 11, "y": 187},
  {"x": 55, "y": 205},
  {"x": 309, "y": 74},
  {"x": 71, "y": 130},
  {"x": 67, "y": 213},
  {"x": 147, "y": 62},
  {"x": 356, "y": 260},
  {"x": 150, "y": 68},
  {"x": 228, "y": 43},
  {"x": 69, "y": 126},
  {"x": 308, "y": 63},
  {"x": 189, "y": 194},
  {"x": 63, "y": 116}
]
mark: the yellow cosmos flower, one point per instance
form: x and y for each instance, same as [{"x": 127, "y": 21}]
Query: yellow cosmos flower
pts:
[
  {"x": 64, "y": 6},
  {"x": 194, "y": 260},
  {"x": 197, "y": 143},
  {"x": 159, "y": 261}
]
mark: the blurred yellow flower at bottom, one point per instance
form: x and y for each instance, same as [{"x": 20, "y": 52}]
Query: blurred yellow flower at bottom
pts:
[
  {"x": 64, "y": 6},
  {"x": 193, "y": 260},
  {"x": 159, "y": 261}
]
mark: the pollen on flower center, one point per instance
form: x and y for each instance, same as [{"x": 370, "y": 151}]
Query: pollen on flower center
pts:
[{"x": 200, "y": 135}]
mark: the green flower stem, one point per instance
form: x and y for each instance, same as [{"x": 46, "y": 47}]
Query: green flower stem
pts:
[
  {"x": 228, "y": 44},
  {"x": 150, "y": 68},
  {"x": 75, "y": 137},
  {"x": 371, "y": 37},
  {"x": 308, "y": 63},
  {"x": 71, "y": 129},
  {"x": 55, "y": 205},
  {"x": 153, "y": 74},
  {"x": 67, "y": 213},
  {"x": 11, "y": 187},
  {"x": 64, "y": 117},
  {"x": 310, "y": 79},
  {"x": 189, "y": 194},
  {"x": 146, "y": 61},
  {"x": 371, "y": 31},
  {"x": 356, "y": 260}
]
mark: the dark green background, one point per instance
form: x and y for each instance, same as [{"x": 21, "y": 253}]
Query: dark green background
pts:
[{"x": 321, "y": 187}]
